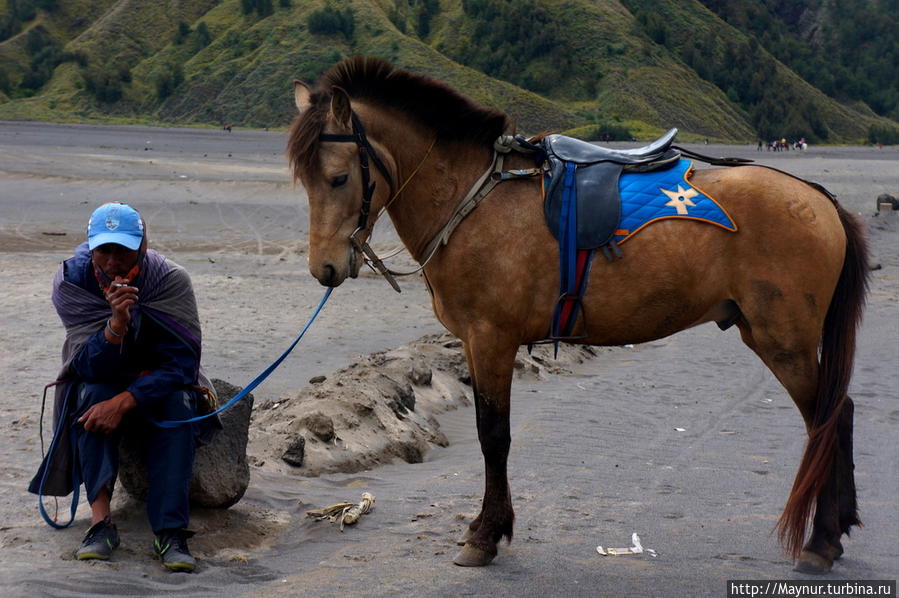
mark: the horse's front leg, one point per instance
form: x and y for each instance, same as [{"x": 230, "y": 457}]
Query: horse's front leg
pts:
[{"x": 490, "y": 362}]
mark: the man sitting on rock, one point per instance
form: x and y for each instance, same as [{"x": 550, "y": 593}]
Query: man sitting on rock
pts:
[{"x": 131, "y": 355}]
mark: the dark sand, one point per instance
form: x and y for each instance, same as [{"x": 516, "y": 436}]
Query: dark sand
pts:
[{"x": 596, "y": 453}]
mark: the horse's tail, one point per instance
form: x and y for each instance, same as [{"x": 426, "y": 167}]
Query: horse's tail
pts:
[{"x": 837, "y": 355}]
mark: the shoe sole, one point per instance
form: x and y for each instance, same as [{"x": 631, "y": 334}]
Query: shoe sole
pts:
[
  {"x": 87, "y": 556},
  {"x": 186, "y": 567}
]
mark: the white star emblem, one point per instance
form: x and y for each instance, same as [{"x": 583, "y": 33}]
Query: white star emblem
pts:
[{"x": 680, "y": 199}]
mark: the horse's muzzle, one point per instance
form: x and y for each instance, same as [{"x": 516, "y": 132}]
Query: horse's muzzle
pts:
[
  {"x": 328, "y": 276},
  {"x": 331, "y": 274}
]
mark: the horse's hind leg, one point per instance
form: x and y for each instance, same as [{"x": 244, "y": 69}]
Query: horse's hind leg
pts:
[
  {"x": 837, "y": 510},
  {"x": 490, "y": 364},
  {"x": 788, "y": 344}
]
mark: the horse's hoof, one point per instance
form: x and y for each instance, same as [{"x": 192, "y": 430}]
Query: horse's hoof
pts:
[
  {"x": 470, "y": 556},
  {"x": 466, "y": 536},
  {"x": 838, "y": 551},
  {"x": 812, "y": 563}
]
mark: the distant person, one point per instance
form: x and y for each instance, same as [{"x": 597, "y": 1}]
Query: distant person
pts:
[
  {"x": 759, "y": 148},
  {"x": 131, "y": 354}
]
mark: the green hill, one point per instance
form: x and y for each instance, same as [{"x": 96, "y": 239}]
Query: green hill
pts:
[{"x": 629, "y": 68}]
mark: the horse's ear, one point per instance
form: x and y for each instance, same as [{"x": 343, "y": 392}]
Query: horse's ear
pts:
[
  {"x": 302, "y": 96},
  {"x": 340, "y": 106}
]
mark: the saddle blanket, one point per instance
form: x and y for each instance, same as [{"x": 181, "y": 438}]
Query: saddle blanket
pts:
[{"x": 653, "y": 196}]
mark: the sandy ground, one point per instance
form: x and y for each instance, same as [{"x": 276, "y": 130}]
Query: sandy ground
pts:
[{"x": 688, "y": 441}]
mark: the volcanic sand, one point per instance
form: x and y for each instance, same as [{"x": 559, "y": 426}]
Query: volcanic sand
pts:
[{"x": 688, "y": 441}]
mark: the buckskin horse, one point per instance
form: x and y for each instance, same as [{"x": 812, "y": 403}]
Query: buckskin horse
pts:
[{"x": 793, "y": 278}]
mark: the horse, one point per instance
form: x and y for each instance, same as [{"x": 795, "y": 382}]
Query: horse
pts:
[{"x": 370, "y": 137}]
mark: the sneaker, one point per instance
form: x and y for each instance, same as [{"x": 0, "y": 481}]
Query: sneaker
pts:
[
  {"x": 99, "y": 542},
  {"x": 170, "y": 547}
]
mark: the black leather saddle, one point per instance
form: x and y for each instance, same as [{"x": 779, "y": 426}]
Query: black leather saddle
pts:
[{"x": 594, "y": 188}]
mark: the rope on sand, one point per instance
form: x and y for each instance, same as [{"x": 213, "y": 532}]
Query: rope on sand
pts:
[{"x": 344, "y": 512}]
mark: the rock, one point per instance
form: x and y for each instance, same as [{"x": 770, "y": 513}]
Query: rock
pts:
[
  {"x": 221, "y": 473},
  {"x": 400, "y": 394},
  {"x": 320, "y": 425},
  {"x": 317, "y": 379},
  {"x": 887, "y": 198},
  {"x": 295, "y": 452},
  {"x": 420, "y": 374}
]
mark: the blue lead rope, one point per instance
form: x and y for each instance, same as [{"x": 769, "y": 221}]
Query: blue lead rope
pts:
[
  {"x": 76, "y": 479},
  {"x": 258, "y": 380}
]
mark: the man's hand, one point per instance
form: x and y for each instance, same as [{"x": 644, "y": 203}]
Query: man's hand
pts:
[
  {"x": 121, "y": 297},
  {"x": 105, "y": 417}
]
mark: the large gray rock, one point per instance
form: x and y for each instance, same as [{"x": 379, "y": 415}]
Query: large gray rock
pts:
[{"x": 221, "y": 472}]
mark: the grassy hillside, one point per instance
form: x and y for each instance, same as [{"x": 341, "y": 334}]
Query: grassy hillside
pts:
[
  {"x": 849, "y": 50},
  {"x": 777, "y": 101},
  {"x": 552, "y": 65}
]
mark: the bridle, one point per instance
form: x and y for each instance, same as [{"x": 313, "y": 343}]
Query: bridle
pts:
[
  {"x": 368, "y": 189},
  {"x": 478, "y": 191}
]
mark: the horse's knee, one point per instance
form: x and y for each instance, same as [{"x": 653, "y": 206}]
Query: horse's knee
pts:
[{"x": 493, "y": 429}]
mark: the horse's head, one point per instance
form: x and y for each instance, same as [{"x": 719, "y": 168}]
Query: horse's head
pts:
[{"x": 346, "y": 176}]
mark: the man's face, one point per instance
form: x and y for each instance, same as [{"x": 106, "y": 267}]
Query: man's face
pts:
[{"x": 114, "y": 260}]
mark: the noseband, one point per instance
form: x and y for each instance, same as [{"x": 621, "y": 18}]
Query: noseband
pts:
[{"x": 368, "y": 189}]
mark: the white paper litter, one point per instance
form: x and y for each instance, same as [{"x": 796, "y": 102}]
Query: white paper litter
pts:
[{"x": 637, "y": 548}]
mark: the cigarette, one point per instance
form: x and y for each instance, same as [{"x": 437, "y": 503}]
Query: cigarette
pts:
[{"x": 120, "y": 284}]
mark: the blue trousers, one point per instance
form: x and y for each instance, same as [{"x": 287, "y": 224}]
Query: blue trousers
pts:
[{"x": 168, "y": 453}]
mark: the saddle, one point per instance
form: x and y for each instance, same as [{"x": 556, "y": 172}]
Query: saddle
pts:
[
  {"x": 582, "y": 208},
  {"x": 581, "y": 185}
]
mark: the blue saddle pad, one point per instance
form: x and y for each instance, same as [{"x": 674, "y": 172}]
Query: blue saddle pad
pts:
[{"x": 652, "y": 196}]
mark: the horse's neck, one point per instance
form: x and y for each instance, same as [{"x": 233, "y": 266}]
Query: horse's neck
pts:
[{"x": 441, "y": 180}]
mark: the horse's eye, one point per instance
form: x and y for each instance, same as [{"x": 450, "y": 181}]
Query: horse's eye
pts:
[{"x": 338, "y": 181}]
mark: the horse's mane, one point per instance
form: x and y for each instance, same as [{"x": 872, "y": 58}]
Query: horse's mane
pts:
[{"x": 433, "y": 104}]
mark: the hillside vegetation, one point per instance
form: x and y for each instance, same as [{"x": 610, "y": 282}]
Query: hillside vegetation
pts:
[{"x": 606, "y": 68}]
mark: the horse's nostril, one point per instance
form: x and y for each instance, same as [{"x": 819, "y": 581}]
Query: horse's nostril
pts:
[{"x": 330, "y": 275}]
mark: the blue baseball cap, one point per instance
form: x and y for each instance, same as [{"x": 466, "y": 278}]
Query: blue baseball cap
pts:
[{"x": 116, "y": 223}]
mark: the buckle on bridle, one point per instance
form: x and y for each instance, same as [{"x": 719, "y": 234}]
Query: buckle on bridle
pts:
[{"x": 372, "y": 259}]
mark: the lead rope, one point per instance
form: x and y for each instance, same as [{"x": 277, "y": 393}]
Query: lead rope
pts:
[
  {"x": 76, "y": 480},
  {"x": 258, "y": 379},
  {"x": 63, "y": 416}
]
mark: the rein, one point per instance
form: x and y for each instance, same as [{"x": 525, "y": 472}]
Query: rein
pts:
[
  {"x": 481, "y": 188},
  {"x": 408, "y": 179},
  {"x": 479, "y": 191}
]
